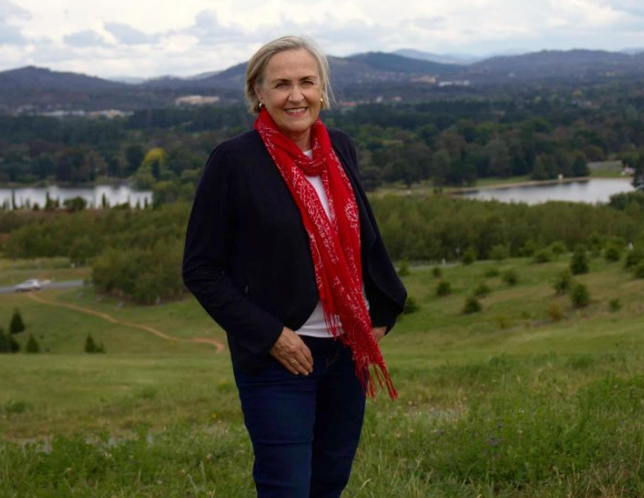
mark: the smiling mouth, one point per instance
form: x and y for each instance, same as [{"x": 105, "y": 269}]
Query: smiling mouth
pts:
[{"x": 295, "y": 111}]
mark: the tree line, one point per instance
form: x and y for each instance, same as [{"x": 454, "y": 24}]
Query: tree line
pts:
[
  {"x": 541, "y": 133},
  {"x": 136, "y": 254}
]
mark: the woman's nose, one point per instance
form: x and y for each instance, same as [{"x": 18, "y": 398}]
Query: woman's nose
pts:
[{"x": 296, "y": 94}]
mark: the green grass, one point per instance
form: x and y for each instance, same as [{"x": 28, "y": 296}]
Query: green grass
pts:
[{"x": 501, "y": 403}]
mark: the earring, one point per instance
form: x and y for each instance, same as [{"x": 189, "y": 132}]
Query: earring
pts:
[
  {"x": 260, "y": 105},
  {"x": 322, "y": 101}
]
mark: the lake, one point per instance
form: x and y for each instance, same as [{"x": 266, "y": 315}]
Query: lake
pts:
[
  {"x": 591, "y": 191},
  {"x": 113, "y": 195}
]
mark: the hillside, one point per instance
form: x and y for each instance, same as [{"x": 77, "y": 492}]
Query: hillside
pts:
[{"x": 528, "y": 382}]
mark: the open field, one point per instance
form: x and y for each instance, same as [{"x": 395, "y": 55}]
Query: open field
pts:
[{"x": 508, "y": 402}]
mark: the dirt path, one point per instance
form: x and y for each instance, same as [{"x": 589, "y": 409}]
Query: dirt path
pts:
[{"x": 199, "y": 340}]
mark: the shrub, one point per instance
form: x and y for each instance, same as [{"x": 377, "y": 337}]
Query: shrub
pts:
[
  {"x": 614, "y": 305},
  {"x": 528, "y": 249},
  {"x": 563, "y": 281},
  {"x": 579, "y": 295},
  {"x": 92, "y": 347},
  {"x": 482, "y": 290},
  {"x": 638, "y": 272},
  {"x": 492, "y": 272},
  {"x": 612, "y": 253},
  {"x": 499, "y": 252},
  {"x": 32, "y": 345},
  {"x": 410, "y": 306},
  {"x": 403, "y": 269},
  {"x": 472, "y": 305},
  {"x": 579, "y": 261},
  {"x": 542, "y": 256},
  {"x": 510, "y": 277},
  {"x": 5, "y": 344},
  {"x": 634, "y": 258},
  {"x": 469, "y": 256},
  {"x": 443, "y": 288},
  {"x": 437, "y": 272},
  {"x": 17, "y": 325},
  {"x": 555, "y": 312},
  {"x": 558, "y": 248}
]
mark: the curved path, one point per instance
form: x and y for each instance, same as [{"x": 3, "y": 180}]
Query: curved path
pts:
[{"x": 199, "y": 340}]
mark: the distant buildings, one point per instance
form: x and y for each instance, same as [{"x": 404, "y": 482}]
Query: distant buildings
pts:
[{"x": 196, "y": 100}]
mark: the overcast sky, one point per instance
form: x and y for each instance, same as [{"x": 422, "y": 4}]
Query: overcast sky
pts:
[{"x": 148, "y": 38}]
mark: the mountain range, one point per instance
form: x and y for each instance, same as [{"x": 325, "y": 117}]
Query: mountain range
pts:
[{"x": 363, "y": 76}]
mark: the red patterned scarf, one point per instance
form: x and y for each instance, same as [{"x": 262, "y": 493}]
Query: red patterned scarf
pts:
[{"x": 335, "y": 243}]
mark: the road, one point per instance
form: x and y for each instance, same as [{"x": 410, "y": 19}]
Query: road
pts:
[{"x": 67, "y": 284}]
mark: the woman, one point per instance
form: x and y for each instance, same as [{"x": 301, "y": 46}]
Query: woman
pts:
[{"x": 283, "y": 251}]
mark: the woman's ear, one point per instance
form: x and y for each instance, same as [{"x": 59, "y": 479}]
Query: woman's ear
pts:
[{"x": 258, "y": 91}]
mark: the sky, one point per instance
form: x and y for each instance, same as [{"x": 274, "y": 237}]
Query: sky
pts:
[{"x": 152, "y": 38}]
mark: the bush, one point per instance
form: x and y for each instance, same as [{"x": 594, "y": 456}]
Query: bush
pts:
[
  {"x": 472, "y": 305},
  {"x": 558, "y": 248},
  {"x": 579, "y": 295},
  {"x": 17, "y": 325},
  {"x": 437, "y": 272},
  {"x": 528, "y": 249},
  {"x": 92, "y": 347},
  {"x": 410, "y": 306},
  {"x": 492, "y": 272},
  {"x": 32, "y": 345},
  {"x": 634, "y": 258},
  {"x": 403, "y": 269},
  {"x": 579, "y": 261},
  {"x": 614, "y": 305},
  {"x": 563, "y": 281},
  {"x": 482, "y": 290},
  {"x": 638, "y": 272},
  {"x": 499, "y": 252},
  {"x": 542, "y": 256},
  {"x": 510, "y": 277},
  {"x": 443, "y": 288},
  {"x": 469, "y": 256},
  {"x": 612, "y": 253},
  {"x": 555, "y": 312},
  {"x": 5, "y": 344}
]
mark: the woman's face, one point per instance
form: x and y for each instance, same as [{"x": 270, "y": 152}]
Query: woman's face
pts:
[{"x": 291, "y": 91}]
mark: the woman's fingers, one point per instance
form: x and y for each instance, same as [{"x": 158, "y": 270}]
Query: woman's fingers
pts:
[{"x": 291, "y": 351}]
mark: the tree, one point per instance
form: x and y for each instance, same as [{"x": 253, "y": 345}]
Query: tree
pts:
[
  {"x": 17, "y": 325},
  {"x": 5, "y": 344},
  {"x": 134, "y": 155},
  {"x": 32, "y": 345},
  {"x": 579, "y": 261},
  {"x": 580, "y": 165}
]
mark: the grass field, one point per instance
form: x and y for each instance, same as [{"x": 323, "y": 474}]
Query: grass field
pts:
[{"x": 507, "y": 402}]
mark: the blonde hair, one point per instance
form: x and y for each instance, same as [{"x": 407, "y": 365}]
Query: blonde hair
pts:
[{"x": 259, "y": 61}]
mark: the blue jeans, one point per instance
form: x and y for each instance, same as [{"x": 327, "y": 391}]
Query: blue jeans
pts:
[{"x": 304, "y": 429}]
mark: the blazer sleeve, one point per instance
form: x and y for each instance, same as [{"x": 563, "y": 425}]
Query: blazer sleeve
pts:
[
  {"x": 383, "y": 310},
  {"x": 209, "y": 242}
]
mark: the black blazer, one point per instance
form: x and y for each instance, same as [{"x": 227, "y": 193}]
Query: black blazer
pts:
[{"x": 247, "y": 257}]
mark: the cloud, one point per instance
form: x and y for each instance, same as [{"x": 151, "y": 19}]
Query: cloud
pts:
[
  {"x": 127, "y": 35},
  {"x": 11, "y": 10},
  {"x": 208, "y": 29},
  {"x": 632, "y": 7},
  {"x": 9, "y": 33},
  {"x": 86, "y": 38}
]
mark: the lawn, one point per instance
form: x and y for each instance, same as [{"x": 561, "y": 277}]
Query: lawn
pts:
[{"x": 512, "y": 401}]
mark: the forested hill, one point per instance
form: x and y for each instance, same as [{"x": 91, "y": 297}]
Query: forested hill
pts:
[{"x": 365, "y": 77}]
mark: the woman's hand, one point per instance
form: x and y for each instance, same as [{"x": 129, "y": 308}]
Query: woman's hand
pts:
[
  {"x": 290, "y": 351},
  {"x": 379, "y": 332}
]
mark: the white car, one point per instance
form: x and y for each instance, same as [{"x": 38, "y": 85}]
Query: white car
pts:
[{"x": 28, "y": 285}]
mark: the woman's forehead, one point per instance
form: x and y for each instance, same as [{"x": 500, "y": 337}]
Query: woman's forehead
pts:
[{"x": 291, "y": 64}]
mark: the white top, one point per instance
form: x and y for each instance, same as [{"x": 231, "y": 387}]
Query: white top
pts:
[{"x": 315, "y": 326}]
